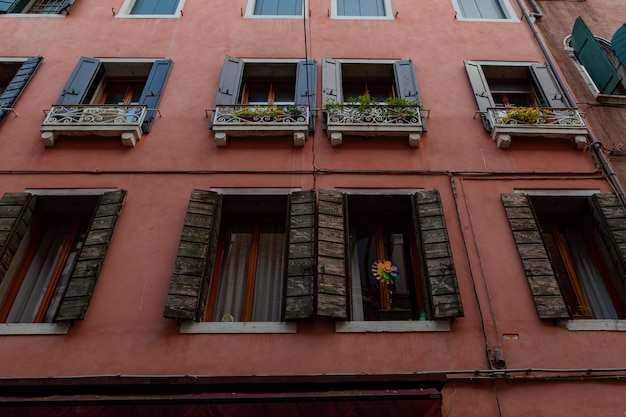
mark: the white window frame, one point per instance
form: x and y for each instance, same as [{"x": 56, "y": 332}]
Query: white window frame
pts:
[
  {"x": 388, "y": 13},
  {"x": 252, "y": 3},
  {"x": 128, "y": 6},
  {"x": 511, "y": 17}
]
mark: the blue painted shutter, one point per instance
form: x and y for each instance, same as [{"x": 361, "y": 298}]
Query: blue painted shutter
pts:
[
  {"x": 593, "y": 58},
  {"x": 85, "y": 73},
  {"x": 230, "y": 81},
  {"x": 483, "y": 97},
  {"x": 17, "y": 84},
  {"x": 549, "y": 91},
  {"x": 5, "y": 5},
  {"x": 618, "y": 44},
  {"x": 306, "y": 78},
  {"x": 17, "y": 6},
  {"x": 331, "y": 83},
  {"x": 153, "y": 90}
]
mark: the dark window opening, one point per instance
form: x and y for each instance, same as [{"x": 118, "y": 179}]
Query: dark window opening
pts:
[
  {"x": 377, "y": 80},
  {"x": 269, "y": 84}
]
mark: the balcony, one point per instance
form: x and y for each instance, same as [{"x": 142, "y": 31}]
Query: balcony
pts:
[
  {"x": 534, "y": 122},
  {"x": 260, "y": 120},
  {"x": 374, "y": 120},
  {"x": 94, "y": 120}
]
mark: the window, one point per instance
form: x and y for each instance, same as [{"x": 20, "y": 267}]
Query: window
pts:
[
  {"x": 406, "y": 229},
  {"x": 52, "y": 252},
  {"x": 151, "y": 8},
  {"x": 484, "y": 10},
  {"x": 569, "y": 249},
  {"x": 121, "y": 94},
  {"x": 14, "y": 75},
  {"x": 36, "y": 6},
  {"x": 365, "y": 9},
  {"x": 244, "y": 258},
  {"x": 602, "y": 61},
  {"x": 358, "y": 94},
  {"x": 275, "y": 8},
  {"x": 265, "y": 98}
]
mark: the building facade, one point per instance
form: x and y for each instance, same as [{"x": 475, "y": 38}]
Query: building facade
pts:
[{"x": 267, "y": 207}]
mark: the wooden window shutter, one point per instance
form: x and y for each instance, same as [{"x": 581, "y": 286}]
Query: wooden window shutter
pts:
[
  {"x": 300, "y": 271},
  {"x": 85, "y": 73},
  {"x": 153, "y": 90},
  {"x": 593, "y": 58},
  {"x": 438, "y": 272},
  {"x": 406, "y": 81},
  {"x": 16, "y": 214},
  {"x": 610, "y": 217},
  {"x": 543, "y": 282},
  {"x": 89, "y": 263},
  {"x": 549, "y": 90},
  {"x": 331, "y": 255},
  {"x": 331, "y": 84},
  {"x": 230, "y": 81},
  {"x": 5, "y": 5},
  {"x": 15, "y": 6},
  {"x": 618, "y": 44},
  {"x": 17, "y": 84},
  {"x": 479, "y": 85},
  {"x": 189, "y": 287},
  {"x": 306, "y": 86}
]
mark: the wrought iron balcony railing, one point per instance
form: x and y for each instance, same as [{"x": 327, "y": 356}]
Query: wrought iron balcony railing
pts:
[
  {"x": 261, "y": 120},
  {"x": 548, "y": 123},
  {"x": 374, "y": 120},
  {"x": 99, "y": 120}
]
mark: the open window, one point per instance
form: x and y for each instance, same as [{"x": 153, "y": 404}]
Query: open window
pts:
[
  {"x": 244, "y": 258},
  {"x": 14, "y": 76},
  {"x": 265, "y": 98},
  {"x": 523, "y": 100},
  {"x": 602, "y": 61},
  {"x": 408, "y": 230},
  {"x": 108, "y": 98},
  {"x": 371, "y": 98},
  {"x": 52, "y": 247},
  {"x": 570, "y": 249},
  {"x": 42, "y": 7}
]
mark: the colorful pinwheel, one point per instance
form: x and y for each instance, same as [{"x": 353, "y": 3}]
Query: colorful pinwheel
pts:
[{"x": 385, "y": 271}]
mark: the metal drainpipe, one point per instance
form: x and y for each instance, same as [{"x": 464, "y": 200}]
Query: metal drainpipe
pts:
[{"x": 595, "y": 146}]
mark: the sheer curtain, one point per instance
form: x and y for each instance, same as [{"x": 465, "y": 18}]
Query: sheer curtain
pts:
[{"x": 268, "y": 291}]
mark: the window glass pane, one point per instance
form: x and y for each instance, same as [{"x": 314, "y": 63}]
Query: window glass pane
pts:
[
  {"x": 154, "y": 7},
  {"x": 278, "y": 7},
  {"x": 482, "y": 9},
  {"x": 258, "y": 92},
  {"x": 284, "y": 93}
]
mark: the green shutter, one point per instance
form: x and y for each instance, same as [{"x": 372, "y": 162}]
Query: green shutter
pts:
[
  {"x": 153, "y": 90},
  {"x": 17, "y": 84},
  {"x": 189, "y": 287},
  {"x": 89, "y": 263},
  {"x": 610, "y": 218},
  {"x": 618, "y": 44},
  {"x": 536, "y": 261},
  {"x": 438, "y": 272},
  {"x": 16, "y": 213},
  {"x": 593, "y": 58},
  {"x": 300, "y": 271},
  {"x": 331, "y": 255}
]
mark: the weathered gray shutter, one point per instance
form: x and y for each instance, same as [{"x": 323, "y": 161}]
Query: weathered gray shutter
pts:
[
  {"x": 5, "y": 5},
  {"x": 16, "y": 213},
  {"x": 306, "y": 86},
  {"x": 153, "y": 90},
  {"x": 406, "y": 81},
  {"x": 618, "y": 44},
  {"x": 189, "y": 287},
  {"x": 331, "y": 255},
  {"x": 543, "y": 282},
  {"x": 331, "y": 84},
  {"x": 610, "y": 218},
  {"x": 82, "y": 78},
  {"x": 15, "y": 6},
  {"x": 549, "y": 90},
  {"x": 480, "y": 87},
  {"x": 17, "y": 84},
  {"x": 230, "y": 81},
  {"x": 300, "y": 271},
  {"x": 89, "y": 263},
  {"x": 438, "y": 272},
  {"x": 593, "y": 58}
]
